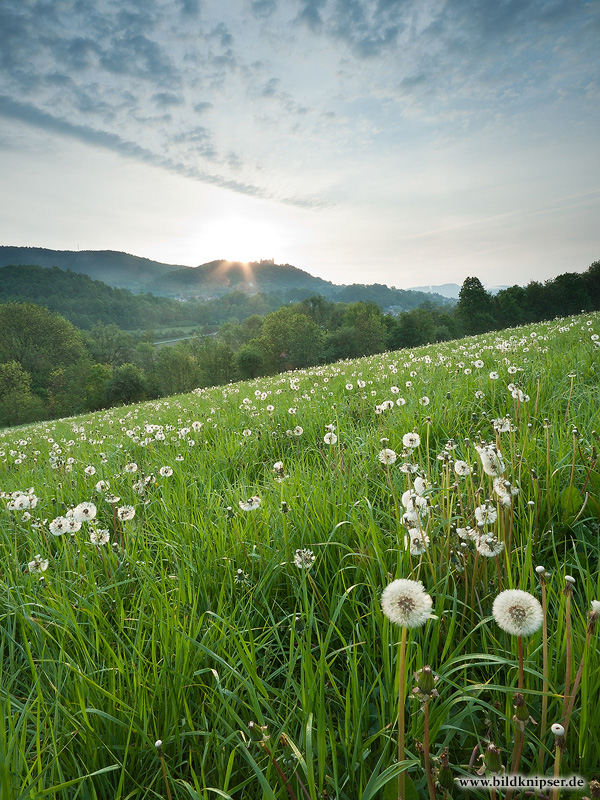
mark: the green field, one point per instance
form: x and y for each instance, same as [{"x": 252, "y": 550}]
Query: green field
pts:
[{"x": 245, "y": 589}]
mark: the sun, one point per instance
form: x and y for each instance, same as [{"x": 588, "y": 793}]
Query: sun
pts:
[{"x": 241, "y": 238}]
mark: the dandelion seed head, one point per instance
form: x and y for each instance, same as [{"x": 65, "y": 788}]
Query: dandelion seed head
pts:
[
  {"x": 517, "y": 612},
  {"x": 405, "y": 602}
]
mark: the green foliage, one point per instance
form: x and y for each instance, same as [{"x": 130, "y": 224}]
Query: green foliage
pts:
[
  {"x": 474, "y": 307},
  {"x": 17, "y": 404},
  {"x": 127, "y": 384},
  {"x": 40, "y": 341}
]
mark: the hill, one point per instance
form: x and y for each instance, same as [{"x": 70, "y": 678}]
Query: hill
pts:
[
  {"x": 210, "y": 280},
  {"x": 84, "y": 301},
  {"x": 115, "y": 268}
]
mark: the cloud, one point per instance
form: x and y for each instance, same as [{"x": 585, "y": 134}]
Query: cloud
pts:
[
  {"x": 23, "y": 112},
  {"x": 263, "y": 8},
  {"x": 310, "y": 14}
]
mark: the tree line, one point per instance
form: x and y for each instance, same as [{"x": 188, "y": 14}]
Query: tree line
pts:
[{"x": 50, "y": 368}]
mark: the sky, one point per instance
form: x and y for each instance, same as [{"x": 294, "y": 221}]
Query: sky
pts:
[{"x": 406, "y": 142}]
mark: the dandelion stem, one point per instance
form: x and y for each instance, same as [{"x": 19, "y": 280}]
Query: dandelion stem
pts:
[
  {"x": 577, "y": 681},
  {"x": 545, "y": 672},
  {"x": 568, "y": 655},
  {"x": 430, "y": 783},
  {"x": 165, "y": 777},
  {"x": 401, "y": 702},
  {"x": 282, "y": 774}
]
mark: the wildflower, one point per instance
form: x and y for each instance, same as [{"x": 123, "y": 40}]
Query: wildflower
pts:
[
  {"x": 304, "y": 559},
  {"x": 38, "y": 564},
  {"x": 125, "y": 513},
  {"x": 424, "y": 401},
  {"x": 488, "y": 546},
  {"x": 406, "y": 603},
  {"x": 131, "y": 467},
  {"x": 102, "y": 486},
  {"x": 420, "y": 485},
  {"x": 411, "y": 440},
  {"x": 84, "y": 512},
  {"x": 557, "y": 729},
  {"x": 99, "y": 536},
  {"x": 90, "y": 470},
  {"x": 494, "y": 375},
  {"x": 426, "y": 681},
  {"x": 467, "y": 533},
  {"x": 298, "y": 430},
  {"x": 595, "y": 606},
  {"x": 517, "y": 612},
  {"x": 462, "y": 469},
  {"x": 330, "y": 438},
  {"x": 486, "y": 514},
  {"x": 387, "y": 456},
  {"x": 165, "y": 472},
  {"x": 251, "y": 504},
  {"x": 491, "y": 459},
  {"x": 416, "y": 541},
  {"x": 59, "y": 526}
]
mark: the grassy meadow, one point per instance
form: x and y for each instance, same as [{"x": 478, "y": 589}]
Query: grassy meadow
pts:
[{"x": 190, "y": 588}]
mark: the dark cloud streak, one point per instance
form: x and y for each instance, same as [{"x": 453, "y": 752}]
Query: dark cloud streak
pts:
[{"x": 30, "y": 115}]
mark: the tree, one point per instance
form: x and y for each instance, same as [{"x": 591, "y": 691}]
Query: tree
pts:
[
  {"x": 17, "y": 403},
  {"x": 249, "y": 361},
  {"x": 126, "y": 385},
  {"x": 475, "y": 309},
  {"x": 38, "y": 340},
  {"x": 108, "y": 344}
]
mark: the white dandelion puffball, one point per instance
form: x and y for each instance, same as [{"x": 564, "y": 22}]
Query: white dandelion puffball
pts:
[
  {"x": 330, "y": 438},
  {"x": 387, "y": 456},
  {"x": 596, "y": 606},
  {"x": 406, "y": 603},
  {"x": 411, "y": 440},
  {"x": 557, "y": 729},
  {"x": 517, "y": 612},
  {"x": 251, "y": 504}
]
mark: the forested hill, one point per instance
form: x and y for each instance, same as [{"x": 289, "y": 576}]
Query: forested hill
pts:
[
  {"x": 117, "y": 269},
  {"x": 214, "y": 279},
  {"x": 84, "y": 301}
]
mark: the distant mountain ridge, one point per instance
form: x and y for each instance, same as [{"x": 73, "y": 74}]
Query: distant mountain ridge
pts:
[{"x": 214, "y": 279}]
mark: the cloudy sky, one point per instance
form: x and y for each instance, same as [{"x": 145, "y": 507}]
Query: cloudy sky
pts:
[{"x": 397, "y": 141}]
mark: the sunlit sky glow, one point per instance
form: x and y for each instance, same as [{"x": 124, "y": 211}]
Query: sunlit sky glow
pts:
[{"x": 404, "y": 142}]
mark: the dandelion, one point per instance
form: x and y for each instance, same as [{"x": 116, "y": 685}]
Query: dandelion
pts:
[
  {"x": 102, "y": 486},
  {"x": 405, "y": 602},
  {"x": 131, "y": 467},
  {"x": 424, "y": 401},
  {"x": 330, "y": 438},
  {"x": 59, "y": 526},
  {"x": 165, "y": 472},
  {"x": 387, "y": 456},
  {"x": 517, "y": 612},
  {"x": 38, "y": 564},
  {"x": 462, "y": 469},
  {"x": 411, "y": 440},
  {"x": 99, "y": 536},
  {"x": 416, "y": 541},
  {"x": 90, "y": 470},
  {"x": 125, "y": 513},
  {"x": 304, "y": 559},
  {"x": 488, "y": 546},
  {"x": 251, "y": 504},
  {"x": 298, "y": 430},
  {"x": 84, "y": 512},
  {"x": 486, "y": 514},
  {"x": 491, "y": 459}
]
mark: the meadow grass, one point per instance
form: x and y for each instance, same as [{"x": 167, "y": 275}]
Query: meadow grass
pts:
[{"x": 267, "y": 672}]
